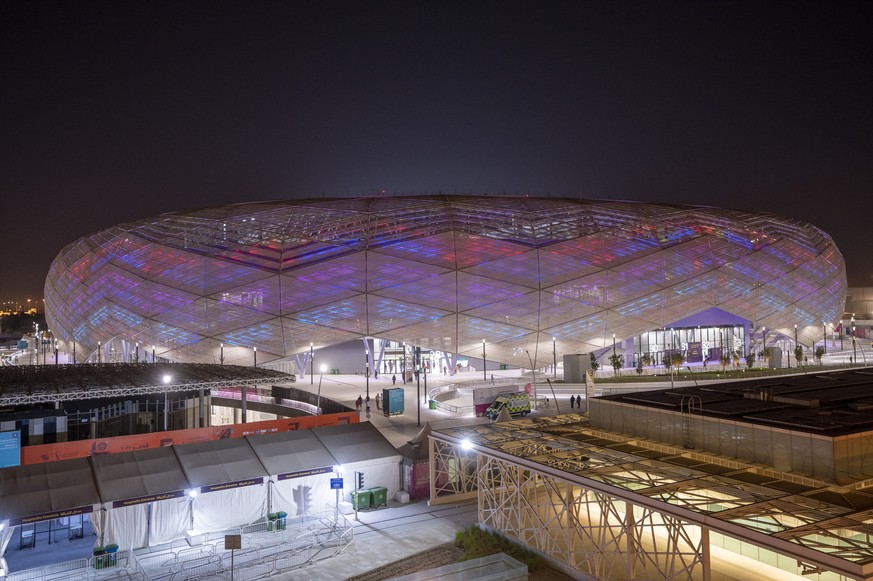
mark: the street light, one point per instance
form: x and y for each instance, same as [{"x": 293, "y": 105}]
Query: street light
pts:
[
  {"x": 312, "y": 364},
  {"x": 153, "y": 355},
  {"x": 613, "y": 344},
  {"x": 255, "y": 356},
  {"x": 323, "y": 368},
  {"x": 221, "y": 353},
  {"x": 136, "y": 357},
  {"x": 484, "y": 376},
  {"x": 167, "y": 380},
  {"x": 98, "y": 352}
]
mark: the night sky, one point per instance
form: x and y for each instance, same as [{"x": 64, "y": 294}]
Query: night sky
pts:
[{"x": 115, "y": 111}]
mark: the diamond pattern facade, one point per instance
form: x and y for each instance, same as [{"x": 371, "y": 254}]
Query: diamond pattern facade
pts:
[{"x": 440, "y": 272}]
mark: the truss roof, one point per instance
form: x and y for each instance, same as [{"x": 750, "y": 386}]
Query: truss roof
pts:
[{"x": 789, "y": 514}]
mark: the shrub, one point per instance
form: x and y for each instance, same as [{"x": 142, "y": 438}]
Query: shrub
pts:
[{"x": 478, "y": 543}]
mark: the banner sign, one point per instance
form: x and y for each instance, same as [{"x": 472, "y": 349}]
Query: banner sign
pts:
[
  {"x": 302, "y": 473},
  {"x": 10, "y": 449},
  {"x": 336, "y": 483},
  {"x": 149, "y": 498},
  {"x": 24, "y": 520},
  {"x": 84, "y": 448},
  {"x": 230, "y": 485},
  {"x": 695, "y": 352}
]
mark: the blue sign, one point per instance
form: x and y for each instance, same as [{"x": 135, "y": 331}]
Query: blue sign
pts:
[
  {"x": 336, "y": 483},
  {"x": 10, "y": 449}
]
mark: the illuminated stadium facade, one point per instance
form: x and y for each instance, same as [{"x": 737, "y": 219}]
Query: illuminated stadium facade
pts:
[{"x": 440, "y": 272}]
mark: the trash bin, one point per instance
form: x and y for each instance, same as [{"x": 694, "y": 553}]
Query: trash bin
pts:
[
  {"x": 282, "y": 516},
  {"x": 432, "y": 404},
  {"x": 379, "y": 496},
  {"x": 361, "y": 499},
  {"x": 98, "y": 560},
  {"x": 272, "y": 521},
  {"x": 111, "y": 557}
]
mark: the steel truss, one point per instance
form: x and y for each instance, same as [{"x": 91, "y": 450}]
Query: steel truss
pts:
[
  {"x": 99, "y": 393},
  {"x": 598, "y": 534},
  {"x": 452, "y": 473}
]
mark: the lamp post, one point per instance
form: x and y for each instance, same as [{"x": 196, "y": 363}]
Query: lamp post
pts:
[
  {"x": 796, "y": 345},
  {"x": 167, "y": 380},
  {"x": 554, "y": 359},
  {"x": 136, "y": 354},
  {"x": 323, "y": 368},
  {"x": 255, "y": 356},
  {"x": 221, "y": 353},
  {"x": 484, "y": 376},
  {"x": 613, "y": 344},
  {"x": 841, "y": 334},
  {"x": 403, "y": 365},
  {"x": 854, "y": 349},
  {"x": 74, "y": 351},
  {"x": 98, "y": 352},
  {"x": 312, "y": 365},
  {"x": 56, "y": 351},
  {"x": 824, "y": 336},
  {"x": 153, "y": 355}
]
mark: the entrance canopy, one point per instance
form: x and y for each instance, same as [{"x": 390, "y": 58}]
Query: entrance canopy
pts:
[{"x": 46, "y": 490}]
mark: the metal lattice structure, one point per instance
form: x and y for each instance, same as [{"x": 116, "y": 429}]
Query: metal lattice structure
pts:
[
  {"x": 441, "y": 272},
  {"x": 621, "y": 508}
]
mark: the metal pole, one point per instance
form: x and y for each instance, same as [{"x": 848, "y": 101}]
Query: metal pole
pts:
[
  {"x": 166, "y": 415},
  {"x": 221, "y": 354},
  {"x": 554, "y": 360},
  {"x": 484, "y": 376},
  {"x": 311, "y": 364}
]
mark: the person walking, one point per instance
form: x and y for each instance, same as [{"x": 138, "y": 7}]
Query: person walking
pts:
[
  {"x": 393, "y": 380},
  {"x": 378, "y": 401},
  {"x": 367, "y": 402},
  {"x": 572, "y": 401},
  {"x": 492, "y": 379},
  {"x": 579, "y": 402},
  {"x": 359, "y": 403}
]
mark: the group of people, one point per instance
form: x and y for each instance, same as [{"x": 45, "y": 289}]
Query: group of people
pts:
[
  {"x": 576, "y": 401},
  {"x": 360, "y": 402}
]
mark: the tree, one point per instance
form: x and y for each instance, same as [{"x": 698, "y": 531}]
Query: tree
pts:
[
  {"x": 798, "y": 354},
  {"x": 750, "y": 359},
  {"x": 594, "y": 364},
  {"x": 735, "y": 355},
  {"x": 677, "y": 359},
  {"x": 639, "y": 368},
  {"x": 647, "y": 359},
  {"x": 819, "y": 353},
  {"x": 724, "y": 359},
  {"x": 767, "y": 354},
  {"x": 617, "y": 361}
]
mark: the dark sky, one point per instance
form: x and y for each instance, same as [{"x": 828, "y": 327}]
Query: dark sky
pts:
[{"x": 115, "y": 111}]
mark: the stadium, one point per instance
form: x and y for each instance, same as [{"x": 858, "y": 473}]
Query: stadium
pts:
[{"x": 456, "y": 274}]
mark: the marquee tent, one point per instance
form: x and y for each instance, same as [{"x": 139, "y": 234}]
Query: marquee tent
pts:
[{"x": 362, "y": 448}]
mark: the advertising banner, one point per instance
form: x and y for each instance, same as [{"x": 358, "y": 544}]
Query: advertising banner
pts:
[{"x": 85, "y": 448}]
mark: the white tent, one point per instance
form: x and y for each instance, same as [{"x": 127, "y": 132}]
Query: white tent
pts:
[
  {"x": 144, "y": 498},
  {"x": 362, "y": 448},
  {"x": 225, "y": 473},
  {"x": 300, "y": 469}
]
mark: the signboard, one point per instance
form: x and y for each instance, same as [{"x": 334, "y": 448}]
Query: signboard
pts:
[
  {"x": 302, "y": 473},
  {"x": 149, "y": 498},
  {"x": 231, "y": 485},
  {"x": 336, "y": 483},
  {"x": 24, "y": 520},
  {"x": 695, "y": 352},
  {"x": 392, "y": 401},
  {"x": 10, "y": 449},
  {"x": 232, "y": 542}
]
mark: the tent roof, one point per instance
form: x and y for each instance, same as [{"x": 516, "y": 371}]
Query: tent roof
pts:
[
  {"x": 284, "y": 452},
  {"x": 40, "y": 488},
  {"x": 417, "y": 447},
  {"x": 355, "y": 442},
  {"x": 219, "y": 462},
  {"x": 138, "y": 473}
]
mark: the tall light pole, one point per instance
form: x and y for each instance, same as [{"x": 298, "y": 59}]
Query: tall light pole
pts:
[
  {"x": 221, "y": 353},
  {"x": 98, "y": 352},
  {"x": 613, "y": 344},
  {"x": 167, "y": 380},
  {"x": 854, "y": 350},
  {"x": 795, "y": 345},
  {"x": 323, "y": 368},
  {"x": 136, "y": 357},
  {"x": 824, "y": 336},
  {"x": 484, "y": 376},
  {"x": 312, "y": 365},
  {"x": 554, "y": 359},
  {"x": 255, "y": 356},
  {"x": 153, "y": 355}
]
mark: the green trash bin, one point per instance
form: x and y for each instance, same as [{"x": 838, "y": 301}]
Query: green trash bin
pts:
[
  {"x": 111, "y": 557},
  {"x": 282, "y": 519},
  {"x": 379, "y": 496},
  {"x": 272, "y": 521},
  {"x": 432, "y": 404},
  {"x": 99, "y": 558},
  {"x": 361, "y": 499}
]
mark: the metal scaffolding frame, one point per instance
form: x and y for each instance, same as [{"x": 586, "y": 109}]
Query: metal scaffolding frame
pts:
[{"x": 619, "y": 508}]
